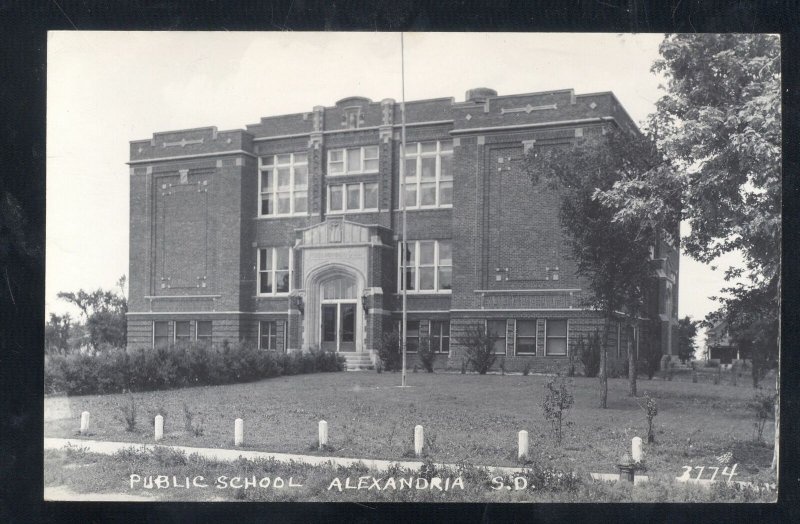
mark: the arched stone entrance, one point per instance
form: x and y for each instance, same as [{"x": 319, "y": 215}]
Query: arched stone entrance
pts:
[{"x": 334, "y": 318}]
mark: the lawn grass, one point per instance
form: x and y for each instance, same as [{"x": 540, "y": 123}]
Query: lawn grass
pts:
[{"x": 467, "y": 418}]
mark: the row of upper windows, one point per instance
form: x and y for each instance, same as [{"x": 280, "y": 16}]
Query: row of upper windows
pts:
[
  {"x": 427, "y": 265},
  {"x": 427, "y": 180}
]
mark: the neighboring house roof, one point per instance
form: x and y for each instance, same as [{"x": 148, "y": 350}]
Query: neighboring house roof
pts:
[{"x": 719, "y": 335}]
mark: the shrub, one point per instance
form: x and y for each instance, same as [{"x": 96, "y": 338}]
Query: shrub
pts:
[
  {"x": 118, "y": 370},
  {"x": 557, "y": 402},
  {"x": 129, "y": 414},
  {"x": 651, "y": 410},
  {"x": 426, "y": 355},
  {"x": 389, "y": 351},
  {"x": 589, "y": 354},
  {"x": 479, "y": 348},
  {"x": 763, "y": 405},
  {"x": 189, "y": 424}
]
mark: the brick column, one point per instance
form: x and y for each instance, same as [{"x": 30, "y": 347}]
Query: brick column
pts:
[
  {"x": 316, "y": 167},
  {"x": 386, "y": 162}
]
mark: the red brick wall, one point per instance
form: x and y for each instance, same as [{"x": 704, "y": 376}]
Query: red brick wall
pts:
[{"x": 499, "y": 219}]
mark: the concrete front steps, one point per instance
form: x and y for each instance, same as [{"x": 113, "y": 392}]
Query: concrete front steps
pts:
[{"x": 358, "y": 361}]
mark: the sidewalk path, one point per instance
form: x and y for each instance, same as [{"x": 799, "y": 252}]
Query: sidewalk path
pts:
[{"x": 229, "y": 455}]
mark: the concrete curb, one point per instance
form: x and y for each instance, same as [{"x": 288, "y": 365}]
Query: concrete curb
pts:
[{"x": 230, "y": 455}]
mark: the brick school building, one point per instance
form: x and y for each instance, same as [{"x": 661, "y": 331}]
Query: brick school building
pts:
[{"x": 286, "y": 234}]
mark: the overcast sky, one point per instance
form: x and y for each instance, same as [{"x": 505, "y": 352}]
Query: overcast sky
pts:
[{"x": 108, "y": 88}]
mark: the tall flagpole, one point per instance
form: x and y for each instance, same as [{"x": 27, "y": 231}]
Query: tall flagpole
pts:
[{"x": 403, "y": 261}]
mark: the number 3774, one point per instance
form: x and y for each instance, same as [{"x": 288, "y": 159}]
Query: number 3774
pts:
[{"x": 710, "y": 471}]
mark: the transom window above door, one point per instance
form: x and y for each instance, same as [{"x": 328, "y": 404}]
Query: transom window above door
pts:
[{"x": 341, "y": 288}]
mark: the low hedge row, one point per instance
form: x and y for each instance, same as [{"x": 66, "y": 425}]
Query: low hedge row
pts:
[{"x": 118, "y": 370}]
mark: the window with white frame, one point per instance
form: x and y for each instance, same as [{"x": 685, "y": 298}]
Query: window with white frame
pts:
[
  {"x": 183, "y": 331},
  {"x": 274, "y": 270},
  {"x": 526, "y": 337},
  {"x": 204, "y": 331},
  {"x": 440, "y": 336},
  {"x": 496, "y": 329},
  {"x": 268, "y": 335},
  {"x": 412, "y": 334},
  {"x": 283, "y": 185},
  {"x": 428, "y": 266},
  {"x": 555, "y": 337},
  {"x": 428, "y": 177},
  {"x": 353, "y": 160},
  {"x": 348, "y": 198},
  {"x": 161, "y": 334}
]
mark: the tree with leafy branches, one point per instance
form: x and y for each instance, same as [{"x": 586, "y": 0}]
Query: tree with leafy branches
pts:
[
  {"x": 719, "y": 124},
  {"x": 57, "y": 334},
  {"x": 687, "y": 332},
  {"x": 103, "y": 313},
  {"x": 613, "y": 255}
]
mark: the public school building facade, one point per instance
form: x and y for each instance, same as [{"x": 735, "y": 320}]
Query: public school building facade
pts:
[{"x": 286, "y": 234}]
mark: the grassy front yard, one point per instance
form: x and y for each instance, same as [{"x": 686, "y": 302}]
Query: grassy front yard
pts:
[{"x": 467, "y": 418}]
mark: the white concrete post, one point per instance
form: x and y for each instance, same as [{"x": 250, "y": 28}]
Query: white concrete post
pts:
[
  {"x": 84, "y": 422},
  {"x": 323, "y": 433},
  {"x": 159, "y": 427},
  {"x": 419, "y": 438},
  {"x": 636, "y": 449},
  {"x": 238, "y": 432},
  {"x": 523, "y": 445}
]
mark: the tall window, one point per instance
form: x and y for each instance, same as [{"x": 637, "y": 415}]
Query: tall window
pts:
[
  {"x": 526, "y": 337},
  {"x": 555, "y": 337},
  {"x": 440, "y": 336},
  {"x": 204, "y": 331},
  {"x": 412, "y": 336},
  {"x": 429, "y": 174},
  {"x": 353, "y": 161},
  {"x": 283, "y": 184},
  {"x": 428, "y": 265},
  {"x": 274, "y": 273},
  {"x": 347, "y": 198},
  {"x": 496, "y": 329},
  {"x": 183, "y": 331},
  {"x": 161, "y": 334},
  {"x": 268, "y": 335}
]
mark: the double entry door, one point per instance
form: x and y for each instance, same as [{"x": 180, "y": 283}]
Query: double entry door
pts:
[{"x": 339, "y": 326}]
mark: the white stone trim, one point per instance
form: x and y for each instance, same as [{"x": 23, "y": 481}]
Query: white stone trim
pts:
[
  {"x": 523, "y": 291},
  {"x": 596, "y": 120},
  {"x": 175, "y": 313},
  {"x": 504, "y": 310},
  {"x": 179, "y": 297},
  {"x": 185, "y": 157}
]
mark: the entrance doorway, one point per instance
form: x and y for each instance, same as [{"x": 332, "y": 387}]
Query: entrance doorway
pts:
[
  {"x": 338, "y": 316},
  {"x": 339, "y": 327}
]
